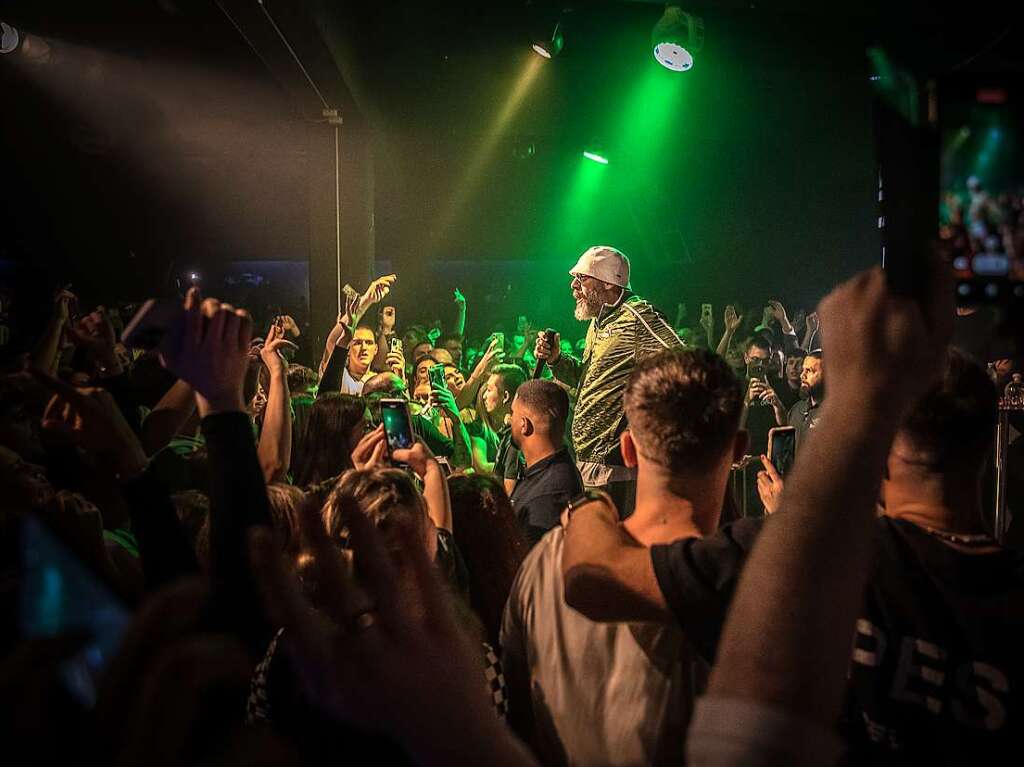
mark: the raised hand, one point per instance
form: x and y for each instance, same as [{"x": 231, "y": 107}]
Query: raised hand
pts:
[
  {"x": 396, "y": 362},
  {"x": 769, "y": 486},
  {"x": 732, "y": 320},
  {"x": 371, "y": 449},
  {"x": 270, "y": 352},
  {"x": 399, "y": 665},
  {"x": 374, "y": 294},
  {"x": 288, "y": 325},
  {"x": 210, "y": 352},
  {"x": 779, "y": 313},
  {"x": 444, "y": 400},
  {"x": 95, "y": 335},
  {"x": 418, "y": 458},
  {"x": 459, "y": 298},
  {"x": 542, "y": 350},
  {"x": 91, "y": 419},
  {"x": 812, "y": 323},
  {"x": 875, "y": 337}
]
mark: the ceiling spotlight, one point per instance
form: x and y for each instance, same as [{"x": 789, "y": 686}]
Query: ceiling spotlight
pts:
[
  {"x": 595, "y": 156},
  {"x": 676, "y": 37},
  {"x": 552, "y": 46},
  {"x": 9, "y": 38}
]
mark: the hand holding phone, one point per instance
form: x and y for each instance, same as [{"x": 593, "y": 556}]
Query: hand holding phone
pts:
[{"x": 397, "y": 424}]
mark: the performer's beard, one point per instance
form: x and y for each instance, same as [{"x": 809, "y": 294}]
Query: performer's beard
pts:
[{"x": 588, "y": 305}]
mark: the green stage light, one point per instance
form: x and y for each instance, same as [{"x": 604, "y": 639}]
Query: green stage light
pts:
[
  {"x": 595, "y": 156},
  {"x": 676, "y": 37}
]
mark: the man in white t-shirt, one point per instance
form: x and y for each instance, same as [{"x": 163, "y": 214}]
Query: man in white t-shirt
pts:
[{"x": 593, "y": 693}]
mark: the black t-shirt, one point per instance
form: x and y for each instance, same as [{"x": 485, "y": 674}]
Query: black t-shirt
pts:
[
  {"x": 542, "y": 493},
  {"x": 935, "y": 658},
  {"x": 804, "y": 417}
]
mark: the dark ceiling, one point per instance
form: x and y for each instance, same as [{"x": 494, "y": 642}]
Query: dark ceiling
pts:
[{"x": 167, "y": 133}]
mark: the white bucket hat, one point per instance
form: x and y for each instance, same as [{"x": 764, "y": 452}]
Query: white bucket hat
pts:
[{"x": 605, "y": 263}]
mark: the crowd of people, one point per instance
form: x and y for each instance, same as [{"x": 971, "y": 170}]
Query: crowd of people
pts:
[{"x": 214, "y": 554}]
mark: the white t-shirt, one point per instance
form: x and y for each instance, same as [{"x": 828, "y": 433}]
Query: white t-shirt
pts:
[{"x": 602, "y": 693}]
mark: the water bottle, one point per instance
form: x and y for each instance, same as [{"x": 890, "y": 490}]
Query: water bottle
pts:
[{"x": 1013, "y": 395}]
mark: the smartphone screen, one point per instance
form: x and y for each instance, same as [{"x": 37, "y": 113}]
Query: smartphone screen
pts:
[
  {"x": 58, "y": 596},
  {"x": 435, "y": 375},
  {"x": 982, "y": 182},
  {"x": 397, "y": 424},
  {"x": 782, "y": 448},
  {"x": 396, "y": 345}
]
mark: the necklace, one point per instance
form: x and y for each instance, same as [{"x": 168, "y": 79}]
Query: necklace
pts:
[{"x": 964, "y": 539}]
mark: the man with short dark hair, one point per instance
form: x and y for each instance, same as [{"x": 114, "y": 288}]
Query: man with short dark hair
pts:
[
  {"x": 935, "y": 670},
  {"x": 621, "y": 694},
  {"x": 361, "y": 351},
  {"x": 550, "y": 478},
  {"x": 804, "y": 415},
  {"x": 496, "y": 398}
]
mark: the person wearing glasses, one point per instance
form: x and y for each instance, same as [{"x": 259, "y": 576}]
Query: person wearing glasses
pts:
[{"x": 624, "y": 329}]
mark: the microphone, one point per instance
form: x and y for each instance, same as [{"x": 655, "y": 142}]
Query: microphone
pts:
[{"x": 549, "y": 336}]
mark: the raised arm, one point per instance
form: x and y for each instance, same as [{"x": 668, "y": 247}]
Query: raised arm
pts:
[
  {"x": 493, "y": 356},
  {"x": 789, "y": 342},
  {"x": 460, "y": 318},
  {"x": 786, "y": 646},
  {"x": 443, "y": 399},
  {"x": 435, "y": 485},
  {"x": 275, "y": 449},
  {"x": 811, "y": 334},
  {"x": 732, "y": 324},
  {"x": 166, "y": 420},
  {"x": 47, "y": 350},
  {"x": 212, "y": 354}
]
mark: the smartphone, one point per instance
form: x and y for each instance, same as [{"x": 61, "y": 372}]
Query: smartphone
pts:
[
  {"x": 397, "y": 424},
  {"x": 396, "y": 345},
  {"x": 349, "y": 291},
  {"x": 151, "y": 323},
  {"x": 755, "y": 369},
  {"x": 500, "y": 337},
  {"x": 782, "y": 448},
  {"x": 59, "y": 595},
  {"x": 435, "y": 375},
  {"x": 705, "y": 310},
  {"x": 981, "y": 174},
  {"x": 905, "y": 115}
]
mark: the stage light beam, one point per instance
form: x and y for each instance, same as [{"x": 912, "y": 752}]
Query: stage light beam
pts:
[{"x": 595, "y": 156}]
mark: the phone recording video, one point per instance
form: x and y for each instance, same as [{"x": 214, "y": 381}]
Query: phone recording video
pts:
[
  {"x": 782, "y": 448},
  {"x": 982, "y": 184},
  {"x": 397, "y": 424},
  {"x": 435, "y": 374}
]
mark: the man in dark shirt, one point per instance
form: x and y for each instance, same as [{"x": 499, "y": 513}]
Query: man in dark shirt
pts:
[
  {"x": 804, "y": 414},
  {"x": 539, "y": 413},
  {"x": 935, "y": 660}
]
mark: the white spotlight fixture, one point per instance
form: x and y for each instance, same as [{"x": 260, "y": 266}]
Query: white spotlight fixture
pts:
[
  {"x": 550, "y": 47},
  {"x": 9, "y": 38},
  {"x": 676, "y": 37}
]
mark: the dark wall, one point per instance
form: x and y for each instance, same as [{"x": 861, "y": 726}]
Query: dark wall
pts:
[{"x": 757, "y": 180}]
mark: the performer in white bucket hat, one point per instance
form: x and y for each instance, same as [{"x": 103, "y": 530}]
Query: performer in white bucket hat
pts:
[{"x": 624, "y": 329}]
